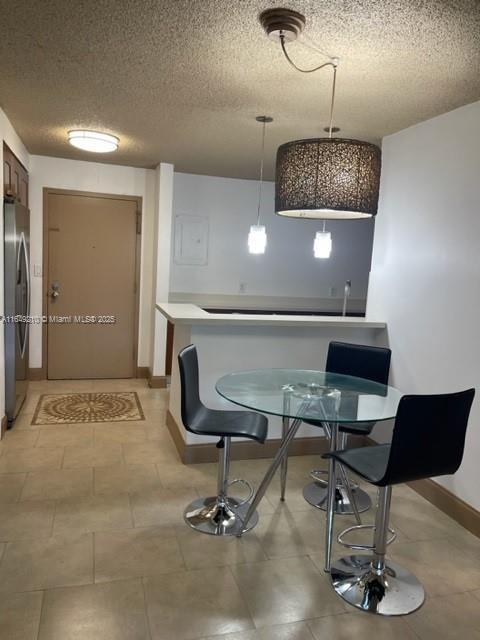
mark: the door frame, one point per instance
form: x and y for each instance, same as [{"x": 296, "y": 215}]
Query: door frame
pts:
[{"x": 89, "y": 194}]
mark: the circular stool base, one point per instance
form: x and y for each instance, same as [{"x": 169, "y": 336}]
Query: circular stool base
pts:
[
  {"x": 208, "y": 516},
  {"x": 317, "y": 495},
  {"x": 393, "y": 592}
]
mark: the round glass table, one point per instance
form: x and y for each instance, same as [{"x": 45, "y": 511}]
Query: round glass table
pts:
[{"x": 299, "y": 395}]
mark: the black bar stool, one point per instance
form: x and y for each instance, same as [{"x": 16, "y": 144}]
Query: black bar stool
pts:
[
  {"x": 361, "y": 361},
  {"x": 428, "y": 441},
  {"x": 219, "y": 515}
]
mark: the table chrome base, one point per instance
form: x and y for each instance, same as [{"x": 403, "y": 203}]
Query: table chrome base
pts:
[
  {"x": 209, "y": 515},
  {"x": 316, "y": 494},
  {"x": 394, "y": 591}
]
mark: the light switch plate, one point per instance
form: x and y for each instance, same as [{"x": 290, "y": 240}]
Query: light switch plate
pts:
[{"x": 37, "y": 270}]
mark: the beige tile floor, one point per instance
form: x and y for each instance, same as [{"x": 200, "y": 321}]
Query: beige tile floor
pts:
[{"x": 93, "y": 545}]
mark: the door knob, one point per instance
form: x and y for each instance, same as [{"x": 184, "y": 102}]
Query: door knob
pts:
[{"x": 55, "y": 292}]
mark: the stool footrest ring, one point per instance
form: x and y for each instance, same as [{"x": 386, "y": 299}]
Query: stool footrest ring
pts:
[
  {"x": 362, "y": 547},
  {"x": 251, "y": 490},
  {"x": 316, "y": 474}
]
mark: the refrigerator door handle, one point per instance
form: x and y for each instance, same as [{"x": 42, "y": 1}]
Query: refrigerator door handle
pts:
[{"x": 23, "y": 246}]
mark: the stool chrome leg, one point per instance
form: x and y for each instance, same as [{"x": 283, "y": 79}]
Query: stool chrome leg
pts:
[
  {"x": 372, "y": 583},
  {"x": 220, "y": 515}
]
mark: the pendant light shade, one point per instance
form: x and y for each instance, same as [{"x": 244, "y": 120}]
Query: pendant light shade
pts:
[
  {"x": 327, "y": 178},
  {"x": 322, "y": 245},
  {"x": 257, "y": 239}
]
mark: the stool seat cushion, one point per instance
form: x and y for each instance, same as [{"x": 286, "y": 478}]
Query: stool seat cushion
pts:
[
  {"x": 235, "y": 424},
  {"x": 369, "y": 463}
]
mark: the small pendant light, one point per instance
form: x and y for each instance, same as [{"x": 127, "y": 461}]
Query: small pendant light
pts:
[
  {"x": 322, "y": 245},
  {"x": 257, "y": 237}
]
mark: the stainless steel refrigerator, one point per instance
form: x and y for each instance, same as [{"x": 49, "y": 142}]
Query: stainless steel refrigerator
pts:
[{"x": 17, "y": 305}]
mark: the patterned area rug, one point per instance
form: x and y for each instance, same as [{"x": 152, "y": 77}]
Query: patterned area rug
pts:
[{"x": 66, "y": 408}]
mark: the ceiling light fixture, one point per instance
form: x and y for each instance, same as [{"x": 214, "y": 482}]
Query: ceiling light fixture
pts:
[
  {"x": 257, "y": 237},
  {"x": 321, "y": 178},
  {"x": 93, "y": 141}
]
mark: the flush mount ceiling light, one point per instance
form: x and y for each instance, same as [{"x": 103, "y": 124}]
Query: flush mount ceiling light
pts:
[
  {"x": 93, "y": 141},
  {"x": 321, "y": 178},
  {"x": 257, "y": 237}
]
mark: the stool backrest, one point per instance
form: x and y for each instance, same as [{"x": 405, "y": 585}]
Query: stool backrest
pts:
[
  {"x": 428, "y": 437},
  {"x": 361, "y": 361},
  {"x": 189, "y": 386}
]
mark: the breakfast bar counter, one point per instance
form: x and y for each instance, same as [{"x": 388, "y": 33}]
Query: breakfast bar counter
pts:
[
  {"x": 229, "y": 342},
  {"x": 191, "y": 314}
]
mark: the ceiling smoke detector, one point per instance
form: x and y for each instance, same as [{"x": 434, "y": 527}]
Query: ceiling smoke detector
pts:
[{"x": 282, "y": 22}]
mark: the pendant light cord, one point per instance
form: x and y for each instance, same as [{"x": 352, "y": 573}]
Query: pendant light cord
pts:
[
  {"x": 332, "y": 62},
  {"x": 332, "y": 103},
  {"x": 261, "y": 173}
]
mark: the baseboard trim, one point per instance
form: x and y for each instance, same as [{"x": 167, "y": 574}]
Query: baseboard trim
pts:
[
  {"x": 249, "y": 450},
  {"x": 37, "y": 373},
  {"x": 463, "y": 513},
  {"x": 449, "y": 503},
  {"x": 176, "y": 434},
  {"x": 3, "y": 426},
  {"x": 157, "y": 382}
]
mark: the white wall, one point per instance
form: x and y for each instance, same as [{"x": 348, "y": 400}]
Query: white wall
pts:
[
  {"x": 288, "y": 267},
  {"x": 161, "y": 263},
  {"x": 102, "y": 178},
  {"x": 10, "y": 137},
  {"x": 425, "y": 278}
]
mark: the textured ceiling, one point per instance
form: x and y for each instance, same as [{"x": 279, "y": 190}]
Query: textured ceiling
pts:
[{"x": 181, "y": 81}]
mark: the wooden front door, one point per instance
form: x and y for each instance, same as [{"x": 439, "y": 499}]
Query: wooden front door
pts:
[{"x": 91, "y": 286}]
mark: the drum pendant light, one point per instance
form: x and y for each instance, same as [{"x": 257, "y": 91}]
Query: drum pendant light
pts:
[
  {"x": 257, "y": 237},
  {"x": 327, "y": 178},
  {"x": 321, "y": 178}
]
